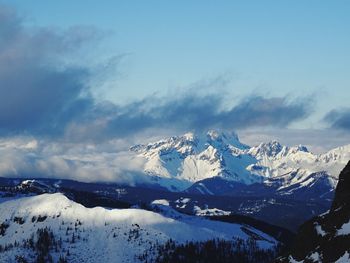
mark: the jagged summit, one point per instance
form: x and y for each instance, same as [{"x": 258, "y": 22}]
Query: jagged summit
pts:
[
  {"x": 189, "y": 136},
  {"x": 226, "y": 138},
  {"x": 271, "y": 148},
  {"x": 211, "y": 137},
  {"x": 275, "y": 149},
  {"x": 180, "y": 161}
]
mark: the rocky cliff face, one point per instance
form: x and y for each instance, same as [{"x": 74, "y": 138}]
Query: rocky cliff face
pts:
[
  {"x": 326, "y": 238},
  {"x": 342, "y": 192}
]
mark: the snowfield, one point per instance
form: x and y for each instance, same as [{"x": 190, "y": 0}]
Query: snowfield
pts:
[{"x": 106, "y": 235}]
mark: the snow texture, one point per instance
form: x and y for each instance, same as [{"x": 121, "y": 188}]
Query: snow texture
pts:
[
  {"x": 107, "y": 235},
  {"x": 176, "y": 163}
]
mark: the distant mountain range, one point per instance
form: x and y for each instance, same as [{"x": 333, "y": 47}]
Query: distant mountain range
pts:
[
  {"x": 214, "y": 174},
  {"x": 217, "y": 163},
  {"x": 198, "y": 182}
]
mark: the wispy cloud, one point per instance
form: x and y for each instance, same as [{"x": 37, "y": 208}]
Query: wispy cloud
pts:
[
  {"x": 40, "y": 90},
  {"x": 30, "y": 157},
  {"x": 188, "y": 112},
  {"x": 42, "y": 94},
  {"x": 339, "y": 119}
]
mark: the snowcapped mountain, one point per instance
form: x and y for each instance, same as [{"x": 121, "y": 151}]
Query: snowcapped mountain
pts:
[
  {"x": 81, "y": 234},
  {"x": 292, "y": 169},
  {"x": 180, "y": 162},
  {"x": 275, "y": 161}
]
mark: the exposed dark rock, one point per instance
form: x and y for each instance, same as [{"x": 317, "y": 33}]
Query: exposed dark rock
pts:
[
  {"x": 342, "y": 192},
  {"x": 320, "y": 239}
]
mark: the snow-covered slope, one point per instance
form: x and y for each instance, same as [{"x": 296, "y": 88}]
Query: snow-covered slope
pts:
[
  {"x": 103, "y": 235},
  {"x": 179, "y": 162},
  {"x": 296, "y": 165}
]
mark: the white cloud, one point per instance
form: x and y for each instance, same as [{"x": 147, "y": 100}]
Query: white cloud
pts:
[{"x": 109, "y": 161}]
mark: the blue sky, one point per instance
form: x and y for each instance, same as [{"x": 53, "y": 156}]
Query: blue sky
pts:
[
  {"x": 269, "y": 46},
  {"x": 273, "y": 49}
]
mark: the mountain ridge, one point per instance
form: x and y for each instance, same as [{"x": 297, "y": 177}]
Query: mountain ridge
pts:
[{"x": 179, "y": 162}]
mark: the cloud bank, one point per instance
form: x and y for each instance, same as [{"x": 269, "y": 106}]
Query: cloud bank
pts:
[
  {"x": 45, "y": 95},
  {"x": 188, "y": 112},
  {"x": 40, "y": 90},
  {"x": 339, "y": 119},
  {"x": 29, "y": 157}
]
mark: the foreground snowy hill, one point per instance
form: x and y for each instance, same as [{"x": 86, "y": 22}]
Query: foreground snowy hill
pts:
[
  {"x": 97, "y": 234},
  {"x": 195, "y": 161},
  {"x": 287, "y": 213}
]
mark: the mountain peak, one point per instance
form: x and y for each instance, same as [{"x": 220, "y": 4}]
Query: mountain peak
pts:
[
  {"x": 224, "y": 138},
  {"x": 296, "y": 149},
  {"x": 271, "y": 148},
  {"x": 275, "y": 148},
  {"x": 191, "y": 157},
  {"x": 302, "y": 148},
  {"x": 189, "y": 136}
]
